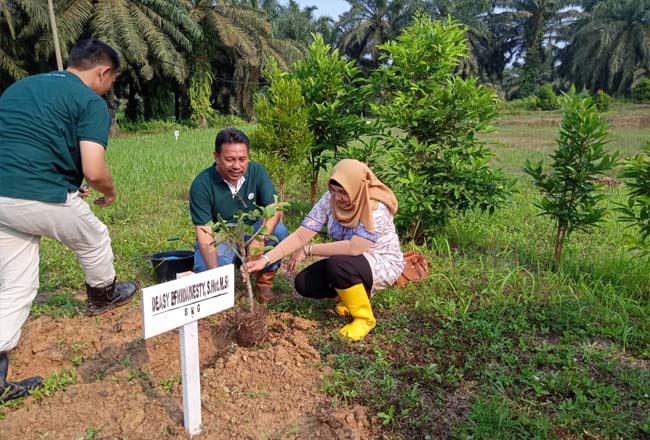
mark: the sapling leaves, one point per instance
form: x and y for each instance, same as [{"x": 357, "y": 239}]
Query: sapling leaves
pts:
[
  {"x": 240, "y": 232},
  {"x": 569, "y": 188}
]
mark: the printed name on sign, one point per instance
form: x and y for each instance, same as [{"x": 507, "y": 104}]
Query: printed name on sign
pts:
[
  {"x": 172, "y": 304},
  {"x": 189, "y": 294}
]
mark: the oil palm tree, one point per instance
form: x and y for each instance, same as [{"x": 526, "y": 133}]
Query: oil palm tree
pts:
[
  {"x": 11, "y": 66},
  {"x": 237, "y": 41},
  {"x": 150, "y": 35},
  {"x": 536, "y": 28},
  {"x": 610, "y": 48},
  {"x": 488, "y": 33},
  {"x": 369, "y": 23}
]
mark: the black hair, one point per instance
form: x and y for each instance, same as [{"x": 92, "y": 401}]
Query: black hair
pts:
[
  {"x": 231, "y": 135},
  {"x": 87, "y": 54},
  {"x": 335, "y": 183}
]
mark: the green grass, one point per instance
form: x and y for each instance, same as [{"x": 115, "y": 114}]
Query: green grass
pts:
[{"x": 493, "y": 345}]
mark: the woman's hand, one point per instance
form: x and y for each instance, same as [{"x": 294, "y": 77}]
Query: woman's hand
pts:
[
  {"x": 296, "y": 258},
  {"x": 256, "y": 264}
]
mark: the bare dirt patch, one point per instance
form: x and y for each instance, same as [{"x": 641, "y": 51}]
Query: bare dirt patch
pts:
[{"x": 130, "y": 388}]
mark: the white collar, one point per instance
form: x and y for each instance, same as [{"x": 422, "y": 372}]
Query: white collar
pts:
[{"x": 234, "y": 189}]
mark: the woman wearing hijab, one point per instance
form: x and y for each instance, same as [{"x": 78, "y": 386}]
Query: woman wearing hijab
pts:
[{"x": 365, "y": 255}]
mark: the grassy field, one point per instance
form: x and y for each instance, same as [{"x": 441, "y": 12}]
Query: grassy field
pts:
[{"x": 493, "y": 345}]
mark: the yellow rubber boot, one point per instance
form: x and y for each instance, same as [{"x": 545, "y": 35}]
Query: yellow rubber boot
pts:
[
  {"x": 356, "y": 300},
  {"x": 340, "y": 308}
]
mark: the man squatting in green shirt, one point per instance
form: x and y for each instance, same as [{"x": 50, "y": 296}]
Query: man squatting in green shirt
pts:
[
  {"x": 53, "y": 134},
  {"x": 230, "y": 185}
]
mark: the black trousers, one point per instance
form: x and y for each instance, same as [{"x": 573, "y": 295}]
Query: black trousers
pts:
[{"x": 319, "y": 280}]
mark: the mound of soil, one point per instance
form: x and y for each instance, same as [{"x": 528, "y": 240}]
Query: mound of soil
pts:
[{"x": 130, "y": 388}]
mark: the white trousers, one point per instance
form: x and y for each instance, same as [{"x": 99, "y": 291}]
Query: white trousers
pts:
[{"x": 22, "y": 223}]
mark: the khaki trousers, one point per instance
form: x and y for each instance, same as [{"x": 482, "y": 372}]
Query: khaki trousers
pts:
[{"x": 22, "y": 223}]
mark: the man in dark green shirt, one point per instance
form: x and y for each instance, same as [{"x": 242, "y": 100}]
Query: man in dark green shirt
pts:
[
  {"x": 230, "y": 185},
  {"x": 54, "y": 131}
]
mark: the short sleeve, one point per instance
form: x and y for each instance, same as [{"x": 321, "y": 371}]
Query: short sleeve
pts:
[
  {"x": 200, "y": 202},
  {"x": 94, "y": 122},
  {"x": 362, "y": 232},
  {"x": 319, "y": 214},
  {"x": 265, "y": 189}
]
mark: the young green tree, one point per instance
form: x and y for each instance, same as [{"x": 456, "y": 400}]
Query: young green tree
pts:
[
  {"x": 636, "y": 213},
  {"x": 436, "y": 165},
  {"x": 241, "y": 233},
  {"x": 569, "y": 189},
  {"x": 330, "y": 87},
  {"x": 282, "y": 133}
]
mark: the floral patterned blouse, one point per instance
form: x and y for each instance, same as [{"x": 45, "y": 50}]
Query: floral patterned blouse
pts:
[{"x": 384, "y": 256}]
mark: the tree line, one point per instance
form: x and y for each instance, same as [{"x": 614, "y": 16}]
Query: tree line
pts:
[{"x": 193, "y": 58}]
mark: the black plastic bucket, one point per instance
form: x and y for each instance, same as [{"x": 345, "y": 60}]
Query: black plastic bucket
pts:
[{"x": 168, "y": 264}]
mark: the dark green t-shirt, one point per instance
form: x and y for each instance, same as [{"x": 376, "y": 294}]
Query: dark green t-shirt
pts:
[
  {"x": 210, "y": 194},
  {"x": 42, "y": 119}
]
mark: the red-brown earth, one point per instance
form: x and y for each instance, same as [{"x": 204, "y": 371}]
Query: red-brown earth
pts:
[{"x": 129, "y": 388}]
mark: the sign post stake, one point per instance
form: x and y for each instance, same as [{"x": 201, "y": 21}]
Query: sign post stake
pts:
[
  {"x": 180, "y": 304},
  {"x": 190, "y": 373}
]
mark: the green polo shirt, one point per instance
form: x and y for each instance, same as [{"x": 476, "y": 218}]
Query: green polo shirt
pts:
[
  {"x": 42, "y": 119},
  {"x": 210, "y": 194}
]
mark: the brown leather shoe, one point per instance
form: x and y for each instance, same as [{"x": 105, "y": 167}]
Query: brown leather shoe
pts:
[{"x": 264, "y": 286}]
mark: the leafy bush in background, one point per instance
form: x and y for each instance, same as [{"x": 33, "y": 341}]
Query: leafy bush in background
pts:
[
  {"x": 515, "y": 105},
  {"x": 546, "y": 98},
  {"x": 641, "y": 92},
  {"x": 437, "y": 166},
  {"x": 602, "y": 101},
  {"x": 282, "y": 134}
]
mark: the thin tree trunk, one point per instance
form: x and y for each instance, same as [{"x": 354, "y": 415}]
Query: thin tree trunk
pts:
[
  {"x": 249, "y": 290},
  {"x": 314, "y": 186},
  {"x": 280, "y": 199},
  {"x": 113, "y": 103},
  {"x": 559, "y": 244},
  {"x": 177, "y": 106},
  {"x": 55, "y": 35}
]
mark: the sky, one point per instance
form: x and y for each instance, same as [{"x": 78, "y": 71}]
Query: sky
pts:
[{"x": 333, "y": 8}]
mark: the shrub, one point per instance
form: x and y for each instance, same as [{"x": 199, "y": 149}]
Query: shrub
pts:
[
  {"x": 547, "y": 99},
  {"x": 569, "y": 194},
  {"x": 438, "y": 167},
  {"x": 602, "y": 101},
  {"x": 641, "y": 92},
  {"x": 636, "y": 213},
  {"x": 282, "y": 131},
  {"x": 153, "y": 126},
  {"x": 218, "y": 121},
  {"x": 330, "y": 87},
  {"x": 527, "y": 103}
]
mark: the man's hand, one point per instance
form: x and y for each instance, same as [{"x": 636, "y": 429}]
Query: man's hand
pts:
[
  {"x": 105, "y": 201},
  {"x": 84, "y": 191},
  {"x": 96, "y": 172}
]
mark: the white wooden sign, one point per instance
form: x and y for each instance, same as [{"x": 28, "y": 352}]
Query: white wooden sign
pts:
[{"x": 178, "y": 302}]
